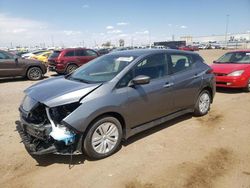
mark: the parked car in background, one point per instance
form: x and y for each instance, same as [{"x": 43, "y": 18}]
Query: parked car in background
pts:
[
  {"x": 189, "y": 48},
  {"x": 232, "y": 70},
  {"x": 112, "y": 98},
  {"x": 103, "y": 51},
  {"x": 43, "y": 57},
  {"x": 12, "y": 66},
  {"x": 67, "y": 60},
  {"x": 27, "y": 55}
]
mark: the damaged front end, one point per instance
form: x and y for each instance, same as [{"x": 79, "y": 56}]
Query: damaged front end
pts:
[{"x": 42, "y": 130}]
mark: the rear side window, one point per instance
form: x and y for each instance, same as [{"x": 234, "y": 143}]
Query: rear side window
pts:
[
  {"x": 69, "y": 54},
  {"x": 179, "y": 62},
  {"x": 80, "y": 52},
  {"x": 55, "y": 54}
]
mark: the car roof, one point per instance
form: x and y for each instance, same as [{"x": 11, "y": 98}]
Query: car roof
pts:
[
  {"x": 244, "y": 50},
  {"x": 73, "y": 49},
  {"x": 143, "y": 52}
]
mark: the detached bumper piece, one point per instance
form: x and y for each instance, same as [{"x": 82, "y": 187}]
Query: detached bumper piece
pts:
[{"x": 38, "y": 142}]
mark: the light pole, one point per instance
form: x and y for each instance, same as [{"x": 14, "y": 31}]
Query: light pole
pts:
[{"x": 227, "y": 22}]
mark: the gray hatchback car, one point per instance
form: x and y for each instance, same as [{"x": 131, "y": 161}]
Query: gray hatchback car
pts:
[{"x": 112, "y": 98}]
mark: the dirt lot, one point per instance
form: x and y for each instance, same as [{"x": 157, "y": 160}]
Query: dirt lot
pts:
[{"x": 211, "y": 151}]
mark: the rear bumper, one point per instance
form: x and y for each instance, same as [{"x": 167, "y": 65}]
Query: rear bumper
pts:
[
  {"x": 231, "y": 81},
  {"x": 60, "y": 68}
]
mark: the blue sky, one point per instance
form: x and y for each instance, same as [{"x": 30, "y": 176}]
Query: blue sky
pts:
[{"x": 91, "y": 22}]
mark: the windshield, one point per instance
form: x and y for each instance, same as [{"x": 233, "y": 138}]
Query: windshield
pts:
[
  {"x": 235, "y": 57},
  {"x": 102, "y": 69}
]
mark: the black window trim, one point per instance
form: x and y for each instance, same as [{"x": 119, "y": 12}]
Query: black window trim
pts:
[
  {"x": 141, "y": 60},
  {"x": 184, "y": 70}
]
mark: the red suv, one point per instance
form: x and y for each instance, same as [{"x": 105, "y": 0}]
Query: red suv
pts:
[{"x": 67, "y": 60}]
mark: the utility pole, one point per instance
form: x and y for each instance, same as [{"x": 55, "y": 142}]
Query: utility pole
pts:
[
  {"x": 227, "y": 22},
  {"x": 52, "y": 40}
]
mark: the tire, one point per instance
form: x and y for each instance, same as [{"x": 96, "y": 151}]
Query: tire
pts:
[
  {"x": 71, "y": 68},
  {"x": 203, "y": 102},
  {"x": 247, "y": 89},
  {"x": 34, "y": 73},
  {"x": 103, "y": 138}
]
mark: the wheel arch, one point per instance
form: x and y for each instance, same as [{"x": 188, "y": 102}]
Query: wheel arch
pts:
[
  {"x": 31, "y": 66},
  {"x": 116, "y": 115},
  {"x": 210, "y": 90}
]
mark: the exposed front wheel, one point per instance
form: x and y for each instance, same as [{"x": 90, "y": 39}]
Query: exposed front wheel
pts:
[
  {"x": 34, "y": 73},
  {"x": 202, "y": 105},
  {"x": 103, "y": 138}
]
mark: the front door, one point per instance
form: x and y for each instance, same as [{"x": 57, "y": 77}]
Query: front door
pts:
[
  {"x": 8, "y": 65},
  {"x": 150, "y": 101}
]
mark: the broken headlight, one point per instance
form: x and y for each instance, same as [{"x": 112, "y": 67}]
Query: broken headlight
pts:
[{"x": 60, "y": 112}]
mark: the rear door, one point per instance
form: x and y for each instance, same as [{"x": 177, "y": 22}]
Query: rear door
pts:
[
  {"x": 84, "y": 55},
  {"x": 187, "y": 80}
]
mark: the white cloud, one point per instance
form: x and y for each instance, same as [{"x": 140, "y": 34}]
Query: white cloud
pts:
[
  {"x": 71, "y": 32},
  {"x": 123, "y": 35},
  {"x": 122, "y": 23},
  {"x": 109, "y": 27},
  {"x": 116, "y": 31},
  {"x": 183, "y": 27},
  {"x": 85, "y": 6},
  {"x": 142, "y": 32},
  {"x": 28, "y": 32},
  {"x": 20, "y": 30}
]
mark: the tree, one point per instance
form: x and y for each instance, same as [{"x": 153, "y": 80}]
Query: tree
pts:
[
  {"x": 106, "y": 44},
  {"x": 121, "y": 43}
]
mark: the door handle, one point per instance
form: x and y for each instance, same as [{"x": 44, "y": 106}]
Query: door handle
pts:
[{"x": 167, "y": 85}]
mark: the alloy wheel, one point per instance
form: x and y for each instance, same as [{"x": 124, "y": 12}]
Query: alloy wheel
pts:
[
  {"x": 204, "y": 102},
  {"x": 105, "y": 137}
]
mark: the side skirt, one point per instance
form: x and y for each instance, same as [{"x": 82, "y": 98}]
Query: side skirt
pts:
[{"x": 145, "y": 126}]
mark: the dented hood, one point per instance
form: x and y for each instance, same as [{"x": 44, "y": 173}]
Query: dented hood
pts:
[{"x": 59, "y": 91}]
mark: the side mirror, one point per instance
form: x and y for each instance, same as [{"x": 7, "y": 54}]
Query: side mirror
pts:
[
  {"x": 140, "y": 80},
  {"x": 214, "y": 61},
  {"x": 16, "y": 58}
]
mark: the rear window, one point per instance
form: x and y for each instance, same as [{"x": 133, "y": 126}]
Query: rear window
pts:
[{"x": 55, "y": 54}]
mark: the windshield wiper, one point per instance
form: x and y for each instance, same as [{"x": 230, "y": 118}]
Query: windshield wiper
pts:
[{"x": 78, "y": 79}]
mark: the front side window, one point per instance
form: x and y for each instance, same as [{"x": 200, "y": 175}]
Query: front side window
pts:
[
  {"x": 5, "y": 56},
  {"x": 154, "y": 66},
  {"x": 179, "y": 62},
  {"x": 102, "y": 69}
]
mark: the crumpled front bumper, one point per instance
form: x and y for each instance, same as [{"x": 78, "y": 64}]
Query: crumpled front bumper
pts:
[{"x": 38, "y": 140}]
